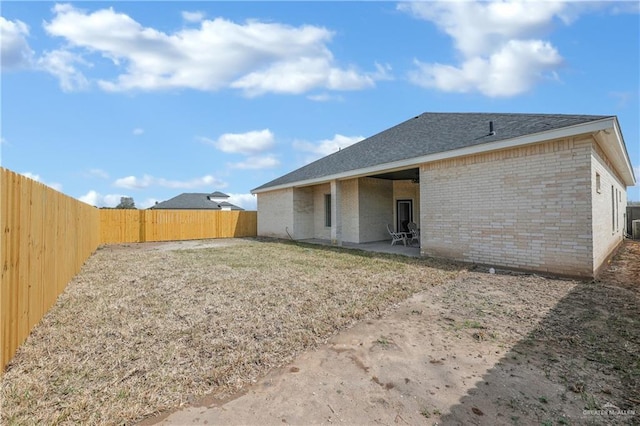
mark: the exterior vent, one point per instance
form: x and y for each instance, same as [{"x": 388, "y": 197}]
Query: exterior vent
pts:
[{"x": 491, "y": 131}]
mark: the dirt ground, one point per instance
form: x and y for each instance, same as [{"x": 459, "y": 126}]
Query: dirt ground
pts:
[
  {"x": 252, "y": 332},
  {"x": 480, "y": 349},
  {"x": 144, "y": 328}
]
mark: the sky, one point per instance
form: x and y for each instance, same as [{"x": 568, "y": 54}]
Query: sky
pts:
[{"x": 102, "y": 100}]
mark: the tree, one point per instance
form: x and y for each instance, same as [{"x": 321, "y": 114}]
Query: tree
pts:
[{"x": 126, "y": 203}]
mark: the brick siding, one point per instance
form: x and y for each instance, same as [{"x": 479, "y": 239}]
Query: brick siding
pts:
[{"x": 525, "y": 208}]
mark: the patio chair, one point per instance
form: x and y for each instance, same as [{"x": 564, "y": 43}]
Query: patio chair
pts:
[
  {"x": 397, "y": 236},
  {"x": 414, "y": 233}
]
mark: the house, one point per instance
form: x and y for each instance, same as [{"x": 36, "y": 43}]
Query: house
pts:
[
  {"x": 537, "y": 192},
  {"x": 197, "y": 201}
]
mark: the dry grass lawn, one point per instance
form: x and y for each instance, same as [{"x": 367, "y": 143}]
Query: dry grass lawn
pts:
[{"x": 142, "y": 330}]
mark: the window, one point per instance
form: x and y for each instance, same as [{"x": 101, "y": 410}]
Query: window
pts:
[
  {"x": 598, "y": 182},
  {"x": 617, "y": 210},
  {"x": 613, "y": 210},
  {"x": 327, "y": 210}
]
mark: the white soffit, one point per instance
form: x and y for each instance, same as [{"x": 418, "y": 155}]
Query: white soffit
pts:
[{"x": 612, "y": 143}]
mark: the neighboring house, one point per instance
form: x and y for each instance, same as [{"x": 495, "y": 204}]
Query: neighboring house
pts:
[
  {"x": 197, "y": 201},
  {"x": 541, "y": 192}
]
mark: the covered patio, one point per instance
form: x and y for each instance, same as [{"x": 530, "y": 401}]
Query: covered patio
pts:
[{"x": 357, "y": 211}]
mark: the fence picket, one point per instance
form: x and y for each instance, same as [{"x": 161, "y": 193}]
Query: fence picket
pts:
[
  {"x": 47, "y": 236},
  {"x": 134, "y": 226}
]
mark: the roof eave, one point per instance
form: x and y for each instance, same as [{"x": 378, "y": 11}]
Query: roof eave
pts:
[
  {"x": 578, "y": 129},
  {"x": 612, "y": 143}
]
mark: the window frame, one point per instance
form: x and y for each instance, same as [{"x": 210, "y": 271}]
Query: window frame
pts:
[
  {"x": 327, "y": 210},
  {"x": 613, "y": 210}
]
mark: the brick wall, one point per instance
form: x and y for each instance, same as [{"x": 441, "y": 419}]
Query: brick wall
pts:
[
  {"x": 376, "y": 209},
  {"x": 608, "y": 207},
  {"x": 275, "y": 213},
  {"x": 303, "y": 213},
  {"x": 518, "y": 208},
  {"x": 350, "y": 208}
]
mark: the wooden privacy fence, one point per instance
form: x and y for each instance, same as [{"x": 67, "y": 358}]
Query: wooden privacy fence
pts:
[
  {"x": 136, "y": 226},
  {"x": 47, "y": 236}
]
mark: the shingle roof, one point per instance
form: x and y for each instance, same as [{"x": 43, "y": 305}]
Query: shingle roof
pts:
[
  {"x": 430, "y": 133},
  {"x": 195, "y": 201},
  {"x": 218, "y": 194}
]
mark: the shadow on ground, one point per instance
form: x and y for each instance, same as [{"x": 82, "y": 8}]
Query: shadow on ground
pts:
[{"x": 580, "y": 365}]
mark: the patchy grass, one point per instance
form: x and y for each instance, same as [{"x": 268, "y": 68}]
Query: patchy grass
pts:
[{"x": 141, "y": 331}]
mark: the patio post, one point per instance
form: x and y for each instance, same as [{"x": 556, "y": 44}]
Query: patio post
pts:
[{"x": 336, "y": 217}]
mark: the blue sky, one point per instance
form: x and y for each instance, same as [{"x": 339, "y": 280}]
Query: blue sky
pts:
[{"x": 151, "y": 99}]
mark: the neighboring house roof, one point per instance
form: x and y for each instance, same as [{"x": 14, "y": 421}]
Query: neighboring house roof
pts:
[
  {"x": 227, "y": 206},
  {"x": 218, "y": 194},
  {"x": 429, "y": 135},
  {"x": 196, "y": 201}
]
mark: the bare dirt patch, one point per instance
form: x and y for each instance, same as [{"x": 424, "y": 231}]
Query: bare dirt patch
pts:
[
  {"x": 139, "y": 332},
  {"x": 483, "y": 349},
  {"x": 142, "y": 329}
]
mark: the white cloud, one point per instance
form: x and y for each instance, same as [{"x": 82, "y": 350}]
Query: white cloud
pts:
[
  {"x": 193, "y": 16},
  {"x": 31, "y": 176},
  {"x": 146, "y": 181},
  {"x": 250, "y": 144},
  {"x": 477, "y": 27},
  {"x": 62, "y": 64},
  {"x": 325, "y": 146},
  {"x": 14, "y": 48},
  {"x": 137, "y": 131},
  {"x": 96, "y": 199},
  {"x": 112, "y": 200},
  {"x": 254, "y": 162},
  {"x": 253, "y": 56},
  {"x": 296, "y": 76},
  {"x": 636, "y": 172},
  {"x": 501, "y": 54},
  {"x": 146, "y": 203},
  {"x": 246, "y": 201},
  {"x": 508, "y": 72},
  {"x": 17, "y": 54},
  {"x": 91, "y": 197},
  {"x": 54, "y": 185},
  {"x": 245, "y": 143},
  {"x": 132, "y": 182}
]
